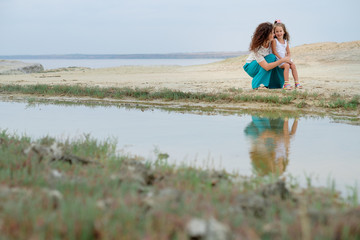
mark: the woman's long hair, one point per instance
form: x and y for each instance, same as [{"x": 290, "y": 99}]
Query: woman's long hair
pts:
[{"x": 261, "y": 35}]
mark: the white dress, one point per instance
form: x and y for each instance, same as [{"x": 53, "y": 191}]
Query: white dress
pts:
[{"x": 281, "y": 49}]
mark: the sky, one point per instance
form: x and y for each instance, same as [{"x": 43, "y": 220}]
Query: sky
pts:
[{"x": 165, "y": 26}]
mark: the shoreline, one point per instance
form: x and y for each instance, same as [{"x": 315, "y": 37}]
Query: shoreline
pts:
[
  {"x": 327, "y": 71},
  {"x": 287, "y": 103}
]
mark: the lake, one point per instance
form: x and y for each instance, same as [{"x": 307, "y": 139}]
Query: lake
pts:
[
  {"x": 105, "y": 63},
  {"x": 245, "y": 144}
]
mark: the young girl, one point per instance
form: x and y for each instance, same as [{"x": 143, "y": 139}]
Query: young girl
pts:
[
  {"x": 261, "y": 65},
  {"x": 280, "y": 48}
]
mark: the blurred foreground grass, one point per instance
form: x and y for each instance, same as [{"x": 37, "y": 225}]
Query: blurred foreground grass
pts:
[{"x": 84, "y": 189}]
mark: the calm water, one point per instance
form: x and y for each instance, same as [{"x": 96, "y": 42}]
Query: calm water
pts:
[
  {"x": 104, "y": 63},
  {"x": 314, "y": 147}
]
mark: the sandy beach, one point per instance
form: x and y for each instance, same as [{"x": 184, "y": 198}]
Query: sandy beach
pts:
[{"x": 324, "y": 68}]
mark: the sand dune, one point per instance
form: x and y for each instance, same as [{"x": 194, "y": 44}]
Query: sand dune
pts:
[
  {"x": 325, "y": 68},
  {"x": 329, "y": 52}
]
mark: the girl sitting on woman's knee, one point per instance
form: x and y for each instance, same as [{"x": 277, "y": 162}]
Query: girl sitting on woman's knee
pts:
[
  {"x": 280, "y": 48},
  {"x": 261, "y": 65}
]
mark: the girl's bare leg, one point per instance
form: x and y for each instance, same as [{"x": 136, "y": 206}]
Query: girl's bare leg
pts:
[
  {"x": 294, "y": 72},
  {"x": 295, "y": 75},
  {"x": 294, "y": 127},
  {"x": 286, "y": 68}
]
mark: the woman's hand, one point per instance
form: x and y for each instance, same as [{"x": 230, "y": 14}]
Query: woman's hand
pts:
[
  {"x": 268, "y": 66},
  {"x": 286, "y": 59}
]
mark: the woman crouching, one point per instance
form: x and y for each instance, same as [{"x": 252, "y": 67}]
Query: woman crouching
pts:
[{"x": 261, "y": 64}]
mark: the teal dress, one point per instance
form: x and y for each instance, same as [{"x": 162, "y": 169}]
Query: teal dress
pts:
[
  {"x": 273, "y": 78},
  {"x": 262, "y": 124}
]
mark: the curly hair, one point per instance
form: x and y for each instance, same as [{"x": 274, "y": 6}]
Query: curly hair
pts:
[
  {"x": 261, "y": 35},
  {"x": 286, "y": 33}
]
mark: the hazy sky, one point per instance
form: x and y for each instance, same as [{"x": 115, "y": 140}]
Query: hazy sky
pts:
[{"x": 165, "y": 26}]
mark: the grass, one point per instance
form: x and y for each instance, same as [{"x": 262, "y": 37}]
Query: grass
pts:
[
  {"x": 338, "y": 102},
  {"x": 295, "y": 98},
  {"x": 122, "y": 197},
  {"x": 301, "y": 104},
  {"x": 233, "y": 95}
]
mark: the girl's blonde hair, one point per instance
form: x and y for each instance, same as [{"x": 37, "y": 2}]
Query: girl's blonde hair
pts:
[{"x": 286, "y": 34}]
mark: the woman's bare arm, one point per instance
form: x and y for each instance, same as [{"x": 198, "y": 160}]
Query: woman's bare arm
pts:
[{"x": 268, "y": 66}]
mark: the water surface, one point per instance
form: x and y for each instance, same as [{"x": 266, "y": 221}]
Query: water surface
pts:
[
  {"x": 316, "y": 147},
  {"x": 106, "y": 63}
]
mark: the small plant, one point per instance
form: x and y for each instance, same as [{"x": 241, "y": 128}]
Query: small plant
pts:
[
  {"x": 235, "y": 90},
  {"x": 161, "y": 158},
  {"x": 301, "y": 104},
  {"x": 338, "y": 103},
  {"x": 287, "y": 100},
  {"x": 335, "y": 95},
  {"x": 353, "y": 195}
]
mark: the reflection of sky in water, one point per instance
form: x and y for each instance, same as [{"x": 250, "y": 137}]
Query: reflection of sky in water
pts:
[
  {"x": 319, "y": 147},
  {"x": 105, "y": 63}
]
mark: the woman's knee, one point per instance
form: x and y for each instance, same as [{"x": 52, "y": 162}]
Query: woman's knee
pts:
[
  {"x": 270, "y": 58},
  {"x": 252, "y": 69}
]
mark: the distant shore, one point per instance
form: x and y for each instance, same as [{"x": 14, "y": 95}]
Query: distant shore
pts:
[{"x": 200, "y": 55}]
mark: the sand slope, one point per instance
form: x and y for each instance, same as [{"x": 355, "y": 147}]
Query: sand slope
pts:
[{"x": 323, "y": 67}]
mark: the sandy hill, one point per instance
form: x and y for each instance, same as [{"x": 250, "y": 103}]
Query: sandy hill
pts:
[{"x": 327, "y": 52}]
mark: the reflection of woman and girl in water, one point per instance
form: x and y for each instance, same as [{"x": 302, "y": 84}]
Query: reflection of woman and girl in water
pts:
[
  {"x": 269, "y": 62},
  {"x": 270, "y": 142}
]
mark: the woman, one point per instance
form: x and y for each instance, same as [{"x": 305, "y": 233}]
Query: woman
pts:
[
  {"x": 261, "y": 64},
  {"x": 270, "y": 144}
]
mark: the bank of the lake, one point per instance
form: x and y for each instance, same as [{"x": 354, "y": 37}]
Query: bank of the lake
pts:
[{"x": 229, "y": 100}]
